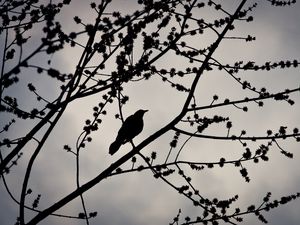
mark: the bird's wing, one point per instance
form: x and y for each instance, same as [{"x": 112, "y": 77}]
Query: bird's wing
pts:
[{"x": 125, "y": 132}]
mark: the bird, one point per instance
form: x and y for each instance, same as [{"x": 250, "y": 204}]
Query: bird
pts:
[{"x": 131, "y": 127}]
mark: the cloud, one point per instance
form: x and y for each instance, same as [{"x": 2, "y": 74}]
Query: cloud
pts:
[{"x": 139, "y": 198}]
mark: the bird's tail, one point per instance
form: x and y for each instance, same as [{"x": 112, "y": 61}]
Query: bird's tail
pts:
[{"x": 114, "y": 147}]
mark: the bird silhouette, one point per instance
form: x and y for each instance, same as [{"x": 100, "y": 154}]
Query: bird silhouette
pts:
[{"x": 131, "y": 127}]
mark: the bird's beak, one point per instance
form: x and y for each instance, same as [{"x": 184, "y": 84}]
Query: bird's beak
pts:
[{"x": 146, "y": 110}]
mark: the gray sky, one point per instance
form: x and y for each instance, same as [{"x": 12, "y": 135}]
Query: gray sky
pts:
[{"x": 138, "y": 198}]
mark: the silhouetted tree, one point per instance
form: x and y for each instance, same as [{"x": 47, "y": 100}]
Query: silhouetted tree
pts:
[{"x": 117, "y": 50}]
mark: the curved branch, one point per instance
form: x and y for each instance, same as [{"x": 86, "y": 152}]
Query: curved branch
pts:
[
  {"x": 233, "y": 137},
  {"x": 244, "y": 100},
  {"x": 30, "y": 164}
]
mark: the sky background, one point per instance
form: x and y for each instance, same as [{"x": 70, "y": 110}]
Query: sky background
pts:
[{"x": 138, "y": 198}]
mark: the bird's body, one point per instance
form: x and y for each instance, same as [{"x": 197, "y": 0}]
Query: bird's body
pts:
[{"x": 131, "y": 127}]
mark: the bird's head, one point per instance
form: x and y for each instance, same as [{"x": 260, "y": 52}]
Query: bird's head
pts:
[{"x": 141, "y": 112}]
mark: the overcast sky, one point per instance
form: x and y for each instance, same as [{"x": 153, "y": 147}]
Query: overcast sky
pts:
[{"x": 138, "y": 198}]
